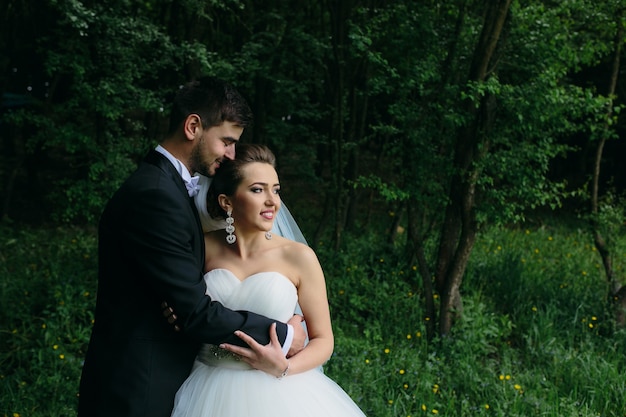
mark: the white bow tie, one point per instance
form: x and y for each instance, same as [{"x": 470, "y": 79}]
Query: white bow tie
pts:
[{"x": 192, "y": 186}]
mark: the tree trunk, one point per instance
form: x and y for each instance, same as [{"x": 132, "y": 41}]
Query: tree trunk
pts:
[
  {"x": 451, "y": 303},
  {"x": 459, "y": 227},
  {"x": 416, "y": 241},
  {"x": 358, "y": 124},
  {"x": 336, "y": 78},
  {"x": 615, "y": 296}
]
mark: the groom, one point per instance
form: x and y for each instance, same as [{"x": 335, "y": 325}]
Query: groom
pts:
[{"x": 151, "y": 249}]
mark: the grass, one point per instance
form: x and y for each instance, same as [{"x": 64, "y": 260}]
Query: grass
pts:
[
  {"x": 47, "y": 285},
  {"x": 536, "y": 337}
]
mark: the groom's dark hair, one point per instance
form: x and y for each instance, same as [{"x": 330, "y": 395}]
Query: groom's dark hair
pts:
[{"x": 214, "y": 100}]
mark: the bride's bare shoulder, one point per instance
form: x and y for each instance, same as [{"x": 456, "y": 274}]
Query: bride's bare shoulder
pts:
[
  {"x": 290, "y": 244},
  {"x": 296, "y": 251}
]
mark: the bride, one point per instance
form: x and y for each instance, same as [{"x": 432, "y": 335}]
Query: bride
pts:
[{"x": 249, "y": 268}]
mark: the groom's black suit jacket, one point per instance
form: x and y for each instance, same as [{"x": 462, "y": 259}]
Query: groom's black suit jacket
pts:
[{"x": 151, "y": 249}]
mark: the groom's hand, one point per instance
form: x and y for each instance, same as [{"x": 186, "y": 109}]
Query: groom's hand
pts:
[
  {"x": 299, "y": 335},
  {"x": 267, "y": 358},
  {"x": 168, "y": 313}
]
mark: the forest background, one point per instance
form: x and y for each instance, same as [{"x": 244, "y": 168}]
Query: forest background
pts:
[{"x": 405, "y": 132}]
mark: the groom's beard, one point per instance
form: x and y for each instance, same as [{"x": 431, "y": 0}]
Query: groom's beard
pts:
[{"x": 197, "y": 162}]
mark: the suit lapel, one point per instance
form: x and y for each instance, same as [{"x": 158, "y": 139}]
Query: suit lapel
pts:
[
  {"x": 199, "y": 226},
  {"x": 158, "y": 159}
]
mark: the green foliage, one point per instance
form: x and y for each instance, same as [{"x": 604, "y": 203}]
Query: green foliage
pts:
[
  {"x": 107, "y": 69},
  {"x": 609, "y": 220},
  {"x": 536, "y": 108},
  {"x": 534, "y": 337},
  {"x": 389, "y": 192},
  {"x": 382, "y": 83},
  {"x": 363, "y": 283},
  {"x": 48, "y": 285},
  {"x": 534, "y": 306},
  {"x": 534, "y": 323}
]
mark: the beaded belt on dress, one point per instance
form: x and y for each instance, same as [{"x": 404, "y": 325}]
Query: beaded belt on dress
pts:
[{"x": 213, "y": 355}]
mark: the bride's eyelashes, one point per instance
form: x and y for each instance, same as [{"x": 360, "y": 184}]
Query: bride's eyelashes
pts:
[{"x": 260, "y": 190}]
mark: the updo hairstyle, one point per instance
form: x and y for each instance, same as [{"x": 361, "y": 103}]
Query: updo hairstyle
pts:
[{"x": 230, "y": 174}]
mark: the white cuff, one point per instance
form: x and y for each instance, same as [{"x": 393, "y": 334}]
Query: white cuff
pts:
[{"x": 288, "y": 339}]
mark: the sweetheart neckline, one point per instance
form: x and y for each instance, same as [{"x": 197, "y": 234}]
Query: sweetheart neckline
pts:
[{"x": 232, "y": 274}]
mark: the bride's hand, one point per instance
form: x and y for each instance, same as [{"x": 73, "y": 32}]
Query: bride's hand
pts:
[{"x": 269, "y": 358}]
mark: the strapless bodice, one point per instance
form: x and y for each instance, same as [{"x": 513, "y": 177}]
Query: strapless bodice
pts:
[{"x": 270, "y": 294}]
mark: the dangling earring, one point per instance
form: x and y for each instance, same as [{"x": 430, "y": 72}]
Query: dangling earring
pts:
[
  {"x": 268, "y": 235},
  {"x": 230, "y": 229}
]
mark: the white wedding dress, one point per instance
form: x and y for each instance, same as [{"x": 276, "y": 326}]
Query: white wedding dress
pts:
[{"x": 221, "y": 386}]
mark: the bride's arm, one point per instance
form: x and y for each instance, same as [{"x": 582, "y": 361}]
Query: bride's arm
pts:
[{"x": 314, "y": 302}]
